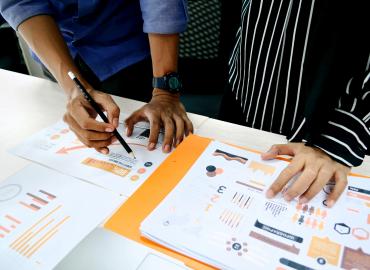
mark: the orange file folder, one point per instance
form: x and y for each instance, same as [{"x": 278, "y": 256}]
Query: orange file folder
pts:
[{"x": 126, "y": 221}]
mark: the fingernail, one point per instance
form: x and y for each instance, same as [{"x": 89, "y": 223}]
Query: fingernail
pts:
[
  {"x": 114, "y": 139},
  {"x": 178, "y": 142},
  {"x": 167, "y": 148},
  {"x": 115, "y": 122},
  {"x": 270, "y": 194},
  {"x": 151, "y": 146},
  {"x": 287, "y": 197},
  {"x": 330, "y": 203},
  {"x": 303, "y": 200},
  {"x": 127, "y": 133},
  {"x": 109, "y": 129},
  {"x": 104, "y": 151}
]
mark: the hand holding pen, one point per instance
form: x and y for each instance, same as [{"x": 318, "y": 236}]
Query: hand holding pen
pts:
[{"x": 81, "y": 114}]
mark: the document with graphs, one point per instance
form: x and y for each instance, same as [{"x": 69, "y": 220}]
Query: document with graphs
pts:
[
  {"x": 45, "y": 214},
  {"x": 218, "y": 214},
  {"x": 57, "y": 147}
]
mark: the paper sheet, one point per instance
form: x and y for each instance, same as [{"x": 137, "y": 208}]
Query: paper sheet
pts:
[
  {"x": 218, "y": 214},
  {"x": 58, "y": 148},
  {"x": 44, "y": 214}
]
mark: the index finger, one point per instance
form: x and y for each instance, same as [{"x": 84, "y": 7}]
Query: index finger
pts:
[
  {"x": 85, "y": 121},
  {"x": 293, "y": 168},
  {"x": 340, "y": 185},
  {"x": 154, "y": 132}
]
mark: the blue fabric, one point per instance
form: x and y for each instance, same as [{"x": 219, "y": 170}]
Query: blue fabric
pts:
[{"x": 108, "y": 35}]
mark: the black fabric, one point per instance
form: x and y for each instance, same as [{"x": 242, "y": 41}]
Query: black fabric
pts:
[
  {"x": 133, "y": 82},
  {"x": 336, "y": 51}
]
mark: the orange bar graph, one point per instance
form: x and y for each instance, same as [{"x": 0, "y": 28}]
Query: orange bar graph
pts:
[
  {"x": 29, "y": 251},
  {"x": 29, "y": 231},
  {"x": 12, "y": 219},
  {"x": 49, "y": 195},
  {"x": 31, "y": 206},
  {"x": 42, "y": 243},
  {"x": 4, "y": 229},
  {"x": 22, "y": 243},
  {"x": 38, "y": 201}
]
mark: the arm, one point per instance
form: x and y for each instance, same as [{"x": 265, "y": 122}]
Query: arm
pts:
[
  {"x": 342, "y": 144},
  {"x": 164, "y": 108},
  {"x": 43, "y": 36}
]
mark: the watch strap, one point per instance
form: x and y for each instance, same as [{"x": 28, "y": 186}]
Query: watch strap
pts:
[{"x": 159, "y": 82}]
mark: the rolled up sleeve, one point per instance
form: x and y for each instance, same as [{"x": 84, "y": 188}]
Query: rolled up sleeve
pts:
[
  {"x": 164, "y": 16},
  {"x": 346, "y": 138},
  {"x": 16, "y": 12}
]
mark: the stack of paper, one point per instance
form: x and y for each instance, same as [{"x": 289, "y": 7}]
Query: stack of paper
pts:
[
  {"x": 218, "y": 214},
  {"x": 44, "y": 214}
]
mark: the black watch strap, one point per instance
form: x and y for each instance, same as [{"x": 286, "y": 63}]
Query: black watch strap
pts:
[
  {"x": 159, "y": 82},
  {"x": 170, "y": 82}
]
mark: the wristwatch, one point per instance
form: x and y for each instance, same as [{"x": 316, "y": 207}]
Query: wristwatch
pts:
[{"x": 170, "y": 82}]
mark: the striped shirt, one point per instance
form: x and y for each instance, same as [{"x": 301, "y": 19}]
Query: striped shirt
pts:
[{"x": 291, "y": 73}]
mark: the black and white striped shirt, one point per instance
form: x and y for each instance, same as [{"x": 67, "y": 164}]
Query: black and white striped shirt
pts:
[{"x": 298, "y": 68}]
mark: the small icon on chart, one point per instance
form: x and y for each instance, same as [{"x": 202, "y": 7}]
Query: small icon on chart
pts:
[{"x": 236, "y": 246}]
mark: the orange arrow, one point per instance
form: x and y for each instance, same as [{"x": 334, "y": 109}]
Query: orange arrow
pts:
[{"x": 65, "y": 150}]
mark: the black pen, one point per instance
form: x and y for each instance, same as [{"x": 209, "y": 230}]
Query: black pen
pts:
[{"x": 99, "y": 111}]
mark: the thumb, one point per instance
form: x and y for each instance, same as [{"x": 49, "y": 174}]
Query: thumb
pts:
[{"x": 278, "y": 149}]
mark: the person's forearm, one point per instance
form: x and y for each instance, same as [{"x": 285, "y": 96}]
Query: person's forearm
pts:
[
  {"x": 43, "y": 36},
  {"x": 164, "y": 51}
]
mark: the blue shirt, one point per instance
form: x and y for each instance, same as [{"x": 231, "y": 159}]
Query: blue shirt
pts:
[{"x": 108, "y": 35}]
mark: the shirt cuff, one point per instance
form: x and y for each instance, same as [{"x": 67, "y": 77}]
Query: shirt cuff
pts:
[
  {"x": 346, "y": 138},
  {"x": 16, "y": 12},
  {"x": 164, "y": 17}
]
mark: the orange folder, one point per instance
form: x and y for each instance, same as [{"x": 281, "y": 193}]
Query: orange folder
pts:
[{"x": 126, "y": 221}]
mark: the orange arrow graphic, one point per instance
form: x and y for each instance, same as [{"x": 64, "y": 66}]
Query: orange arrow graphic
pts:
[{"x": 66, "y": 150}]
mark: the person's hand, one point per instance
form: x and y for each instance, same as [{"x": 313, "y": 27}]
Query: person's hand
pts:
[
  {"x": 80, "y": 117},
  {"x": 317, "y": 169},
  {"x": 164, "y": 110}
]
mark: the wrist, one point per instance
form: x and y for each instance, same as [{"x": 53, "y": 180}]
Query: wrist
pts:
[
  {"x": 165, "y": 94},
  {"x": 70, "y": 87}
]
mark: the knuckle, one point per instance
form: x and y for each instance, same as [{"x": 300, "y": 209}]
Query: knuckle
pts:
[
  {"x": 293, "y": 192},
  {"x": 116, "y": 109},
  {"x": 87, "y": 143},
  {"x": 88, "y": 136},
  {"x": 326, "y": 171},
  {"x": 84, "y": 124},
  {"x": 310, "y": 173},
  {"x": 288, "y": 171},
  {"x": 155, "y": 122},
  {"x": 276, "y": 187}
]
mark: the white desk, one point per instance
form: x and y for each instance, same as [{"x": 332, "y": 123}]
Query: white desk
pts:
[{"x": 29, "y": 104}]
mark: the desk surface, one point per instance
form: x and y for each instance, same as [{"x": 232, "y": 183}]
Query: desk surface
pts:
[{"x": 29, "y": 104}]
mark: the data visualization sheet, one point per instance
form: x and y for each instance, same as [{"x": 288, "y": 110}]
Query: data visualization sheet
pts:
[
  {"x": 218, "y": 214},
  {"x": 58, "y": 148},
  {"x": 45, "y": 214}
]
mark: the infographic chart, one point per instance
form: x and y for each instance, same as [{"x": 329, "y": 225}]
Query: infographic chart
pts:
[
  {"x": 218, "y": 214},
  {"x": 44, "y": 214},
  {"x": 58, "y": 148}
]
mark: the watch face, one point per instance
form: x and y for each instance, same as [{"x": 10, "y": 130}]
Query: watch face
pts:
[{"x": 173, "y": 83}]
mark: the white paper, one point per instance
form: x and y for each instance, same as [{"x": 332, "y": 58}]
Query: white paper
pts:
[
  {"x": 218, "y": 214},
  {"x": 45, "y": 214},
  {"x": 58, "y": 148}
]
